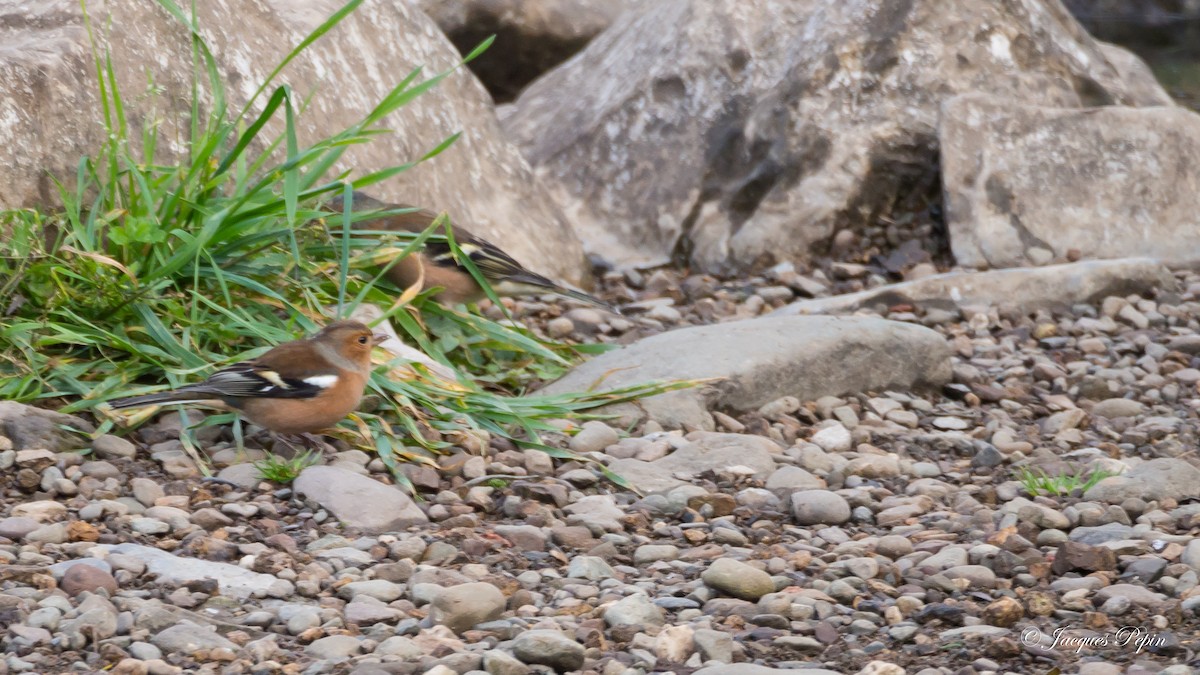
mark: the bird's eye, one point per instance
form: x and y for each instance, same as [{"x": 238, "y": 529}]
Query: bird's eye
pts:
[{"x": 362, "y": 339}]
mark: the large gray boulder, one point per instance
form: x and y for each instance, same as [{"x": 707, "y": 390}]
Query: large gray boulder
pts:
[
  {"x": 752, "y": 362},
  {"x": 732, "y": 133},
  {"x": 1028, "y": 184},
  {"x": 50, "y": 114}
]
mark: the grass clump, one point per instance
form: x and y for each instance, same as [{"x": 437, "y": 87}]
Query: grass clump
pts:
[
  {"x": 1040, "y": 483},
  {"x": 284, "y": 470},
  {"x": 164, "y": 269}
]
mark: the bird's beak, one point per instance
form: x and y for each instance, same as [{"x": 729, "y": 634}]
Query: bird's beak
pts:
[{"x": 379, "y": 338}]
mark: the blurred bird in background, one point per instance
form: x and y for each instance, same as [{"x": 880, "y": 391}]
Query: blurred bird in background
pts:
[{"x": 437, "y": 263}]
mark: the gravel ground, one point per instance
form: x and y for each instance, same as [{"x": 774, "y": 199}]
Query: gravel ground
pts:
[{"x": 884, "y": 532}]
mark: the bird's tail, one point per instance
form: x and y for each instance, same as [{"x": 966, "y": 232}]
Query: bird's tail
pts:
[
  {"x": 584, "y": 297},
  {"x": 183, "y": 395},
  {"x": 538, "y": 283}
]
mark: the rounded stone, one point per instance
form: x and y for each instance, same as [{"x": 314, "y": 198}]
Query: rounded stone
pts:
[
  {"x": 833, "y": 438},
  {"x": 560, "y": 327},
  {"x": 738, "y": 579},
  {"x": 549, "y": 648},
  {"x": 590, "y": 567},
  {"x": 80, "y": 578},
  {"x": 17, "y": 527},
  {"x": 460, "y": 607},
  {"x": 634, "y": 610},
  {"x": 334, "y": 647},
  {"x": 1118, "y": 407},
  {"x": 894, "y": 546},
  {"x": 812, "y": 507},
  {"x": 595, "y": 436},
  {"x": 113, "y": 447},
  {"x": 649, "y": 553},
  {"x": 978, "y": 576}
]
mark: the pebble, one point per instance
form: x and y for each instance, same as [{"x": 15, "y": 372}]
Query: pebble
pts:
[
  {"x": 738, "y": 579},
  {"x": 334, "y": 647},
  {"x": 549, "y": 648},
  {"x": 812, "y": 507},
  {"x": 894, "y": 546},
  {"x": 499, "y": 662},
  {"x": 599, "y": 513},
  {"x": 42, "y": 510},
  {"x": 1191, "y": 555},
  {"x": 1118, "y": 407},
  {"x": 379, "y": 589},
  {"x": 87, "y": 578},
  {"x": 593, "y": 568},
  {"x": 833, "y": 438},
  {"x": 634, "y": 610},
  {"x": 650, "y": 553},
  {"x": 245, "y": 475},
  {"x": 146, "y": 491},
  {"x": 560, "y": 327},
  {"x": 790, "y": 478},
  {"x": 359, "y": 501},
  {"x": 53, "y": 533},
  {"x": 461, "y": 607},
  {"x": 186, "y": 637},
  {"x": 593, "y": 436},
  {"x": 107, "y": 446},
  {"x": 17, "y": 527}
]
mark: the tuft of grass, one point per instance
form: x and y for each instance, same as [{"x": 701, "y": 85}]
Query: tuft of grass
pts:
[
  {"x": 283, "y": 471},
  {"x": 1041, "y": 483},
  {"x": 163, "y": 269}
]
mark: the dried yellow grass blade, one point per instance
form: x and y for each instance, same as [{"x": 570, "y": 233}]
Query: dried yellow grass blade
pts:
[{"x": 102, "y": 259}]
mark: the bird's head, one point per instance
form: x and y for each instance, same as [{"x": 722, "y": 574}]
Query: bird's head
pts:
[{"x": 351, "y": 339}]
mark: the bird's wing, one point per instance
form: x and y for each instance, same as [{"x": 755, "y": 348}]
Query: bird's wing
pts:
[
  {"x": 493, "y": 263},
  {"x": 255, "y": 379}
]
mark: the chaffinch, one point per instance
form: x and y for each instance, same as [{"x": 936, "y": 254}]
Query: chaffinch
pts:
[
  {"x": 506, "y": 275},
  {"x": 296, "y": 388}
]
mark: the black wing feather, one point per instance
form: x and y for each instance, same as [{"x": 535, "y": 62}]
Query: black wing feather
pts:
[
  {"x": 231, "y": 384},
  {"x": 249, "y": 379}
]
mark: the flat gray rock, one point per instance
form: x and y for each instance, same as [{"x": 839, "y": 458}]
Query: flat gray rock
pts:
[
  {"x": 1162, "y": 478},
  {"x": 756, "y": 361},
  {"x": 359, "y": 501},
  {"x": 1029, "y": 288},
  {"x": 707, "y": 451},
  {"x": 233, "y": 581},
  {"x": 245, "y": 476},
  {"x": 596, "y": 512},
  {"x": 34, "y": 428},
  {"x": 187, "y": 637}
]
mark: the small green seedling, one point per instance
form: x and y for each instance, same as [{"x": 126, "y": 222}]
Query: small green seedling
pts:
[
  {"x": 1039, "y": 482},
  {"x": 279, "y": 470}
]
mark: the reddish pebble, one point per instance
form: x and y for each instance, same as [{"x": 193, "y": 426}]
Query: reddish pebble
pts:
[{"x": 83, "y": 577}]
